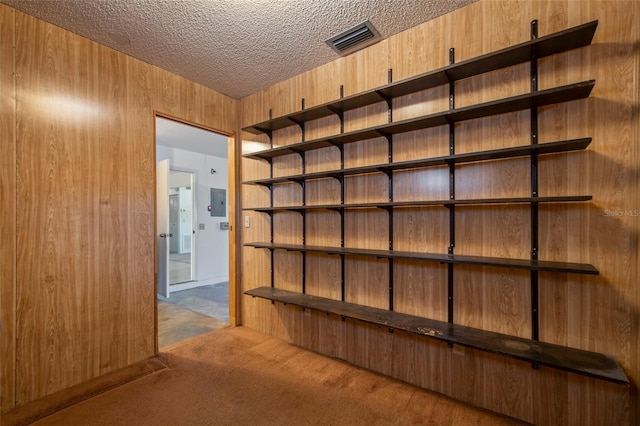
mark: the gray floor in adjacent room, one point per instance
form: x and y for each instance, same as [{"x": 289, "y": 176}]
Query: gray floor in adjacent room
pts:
[{"x": 192, "y": 312}]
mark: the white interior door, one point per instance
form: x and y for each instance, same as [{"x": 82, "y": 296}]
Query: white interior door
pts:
[{"x": 163, "y": 235}]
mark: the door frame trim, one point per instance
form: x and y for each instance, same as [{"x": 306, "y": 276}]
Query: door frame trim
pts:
[{"x": 233, "y": 191}]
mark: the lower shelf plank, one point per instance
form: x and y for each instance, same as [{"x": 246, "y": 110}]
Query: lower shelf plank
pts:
[
  {"x": 532, "y": 265},
  {"x": 577, "y": 361}
]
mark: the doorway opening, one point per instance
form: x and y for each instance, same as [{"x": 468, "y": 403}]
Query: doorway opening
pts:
[{"x": 193, "y": 230}]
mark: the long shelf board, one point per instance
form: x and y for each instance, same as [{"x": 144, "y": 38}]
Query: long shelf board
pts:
[
  {"x": 495, "y": 154},
  {"x": 531, "y": 265},
  {"x": 562, "y": 41},
  {"x": 420, "y": 203},
  {"x": 576, "y": 361},
  {"x": 515, "y": 103}
]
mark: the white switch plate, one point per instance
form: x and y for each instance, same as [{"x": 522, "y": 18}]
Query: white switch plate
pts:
[{"x": 247, "y": 222}]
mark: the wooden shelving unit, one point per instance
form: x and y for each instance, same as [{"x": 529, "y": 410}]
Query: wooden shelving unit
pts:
[
  {"x": 540, "y": 353},
  {"x": 562, "y": 41},
  {"x": 443, "y": 203},
  {"x": 516, "y": 103},
  {"x": 531, "y": 350},
  {"x": 496, "y": 154},
  {"x": 537, "y": 265}
]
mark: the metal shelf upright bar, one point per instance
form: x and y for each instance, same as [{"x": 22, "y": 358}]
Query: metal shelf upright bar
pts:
[
  {"x": 390, "y": 188},
  {"x": 303, "y": 188},
  {"x": 535, "y": 315},
  {"x": 452, "y": 196},
  {"x": 271, "y": 214},
  {"x": 341, "y": 213}
]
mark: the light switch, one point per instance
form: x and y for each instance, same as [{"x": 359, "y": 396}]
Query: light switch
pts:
[{"x": 247, "y": 222}]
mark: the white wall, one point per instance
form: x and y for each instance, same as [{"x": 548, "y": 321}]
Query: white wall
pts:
[{"x": 211, "y": 244}]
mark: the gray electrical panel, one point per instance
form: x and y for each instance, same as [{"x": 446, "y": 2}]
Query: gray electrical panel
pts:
[{"x": 218, "y": 202}]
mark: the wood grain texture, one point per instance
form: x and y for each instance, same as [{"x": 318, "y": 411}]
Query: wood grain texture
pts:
[
  {"x": 141, "y": 243},
  {"x": 323, "y": 272},
  {"x": 595, "y": 313},
  {"x": 8, "y": 205},
  {"x": 59, "y": 202},
  {"x": 420, "y": 289},
  {"x": 84, "y": 226}
]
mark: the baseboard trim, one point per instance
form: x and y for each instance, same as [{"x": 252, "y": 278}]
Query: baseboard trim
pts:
[{"x": 43, "y": 407}]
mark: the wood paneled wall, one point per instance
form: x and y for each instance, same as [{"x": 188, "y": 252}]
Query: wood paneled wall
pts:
[
  {"x": 593, "y": 313},
  {"x": 77, "y": 180},
  {"x": 7, "y": 202}
]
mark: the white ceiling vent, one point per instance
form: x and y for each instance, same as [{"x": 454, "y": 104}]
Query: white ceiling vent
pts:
[{"x": 355, "y": 38}]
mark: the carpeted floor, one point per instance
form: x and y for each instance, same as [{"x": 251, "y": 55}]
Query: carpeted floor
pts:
[{"x": 235, "y": 376}]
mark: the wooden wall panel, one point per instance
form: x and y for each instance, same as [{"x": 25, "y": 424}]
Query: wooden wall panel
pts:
[
  {"x": 366, "y": 69},
  {"x": 594, "y": 313},
  {"x": 424, "y": 363},
  {"x": 141, "y": 243},
  {"x": 59, "y": 214},
  {"x": 8, "y": 205},
  {"x": 81, "y": 172},
  {"x": 323, "y": 272}
]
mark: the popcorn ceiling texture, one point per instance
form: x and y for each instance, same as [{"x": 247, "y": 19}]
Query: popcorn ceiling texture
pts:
[{"x": 236, "y": 47}]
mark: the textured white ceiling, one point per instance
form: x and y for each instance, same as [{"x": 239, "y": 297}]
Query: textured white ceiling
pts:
[{"x": 236, "y": 47}]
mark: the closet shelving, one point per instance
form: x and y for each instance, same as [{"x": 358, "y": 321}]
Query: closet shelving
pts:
[
  {"x": 516, "y": 103},
  {"x": 497, "y": 154},
  {"x": 540, "y": 47},
  {"x": 540, "y": 353},
  {"x": 538, "y": 265},
  {"x": 532, "y": 350}
]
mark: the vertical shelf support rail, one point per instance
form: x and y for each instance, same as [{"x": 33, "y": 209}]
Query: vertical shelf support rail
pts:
[
  {"x": 387, "y": 99},
  {"x": 341, "y": 211},
  {"x": 452, "y": 196},
  {"x": 390, "y": 188},
  {"x": 534, "y": 192},
  {"x": 303, "y": 188},
  {"x": 271, "y": 213},
  {"x": 389, "y": 210}
]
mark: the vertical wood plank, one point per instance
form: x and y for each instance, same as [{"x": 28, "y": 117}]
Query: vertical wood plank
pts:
[
  {"x": 8, "y": 200},
  {"x": 141, "y": 243}
]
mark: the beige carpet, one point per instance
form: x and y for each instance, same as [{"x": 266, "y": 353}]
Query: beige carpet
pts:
[{"x": 235, "y": 376}]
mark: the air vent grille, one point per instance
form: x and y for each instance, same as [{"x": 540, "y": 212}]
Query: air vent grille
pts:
[{"x": 354, "y": 39}]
